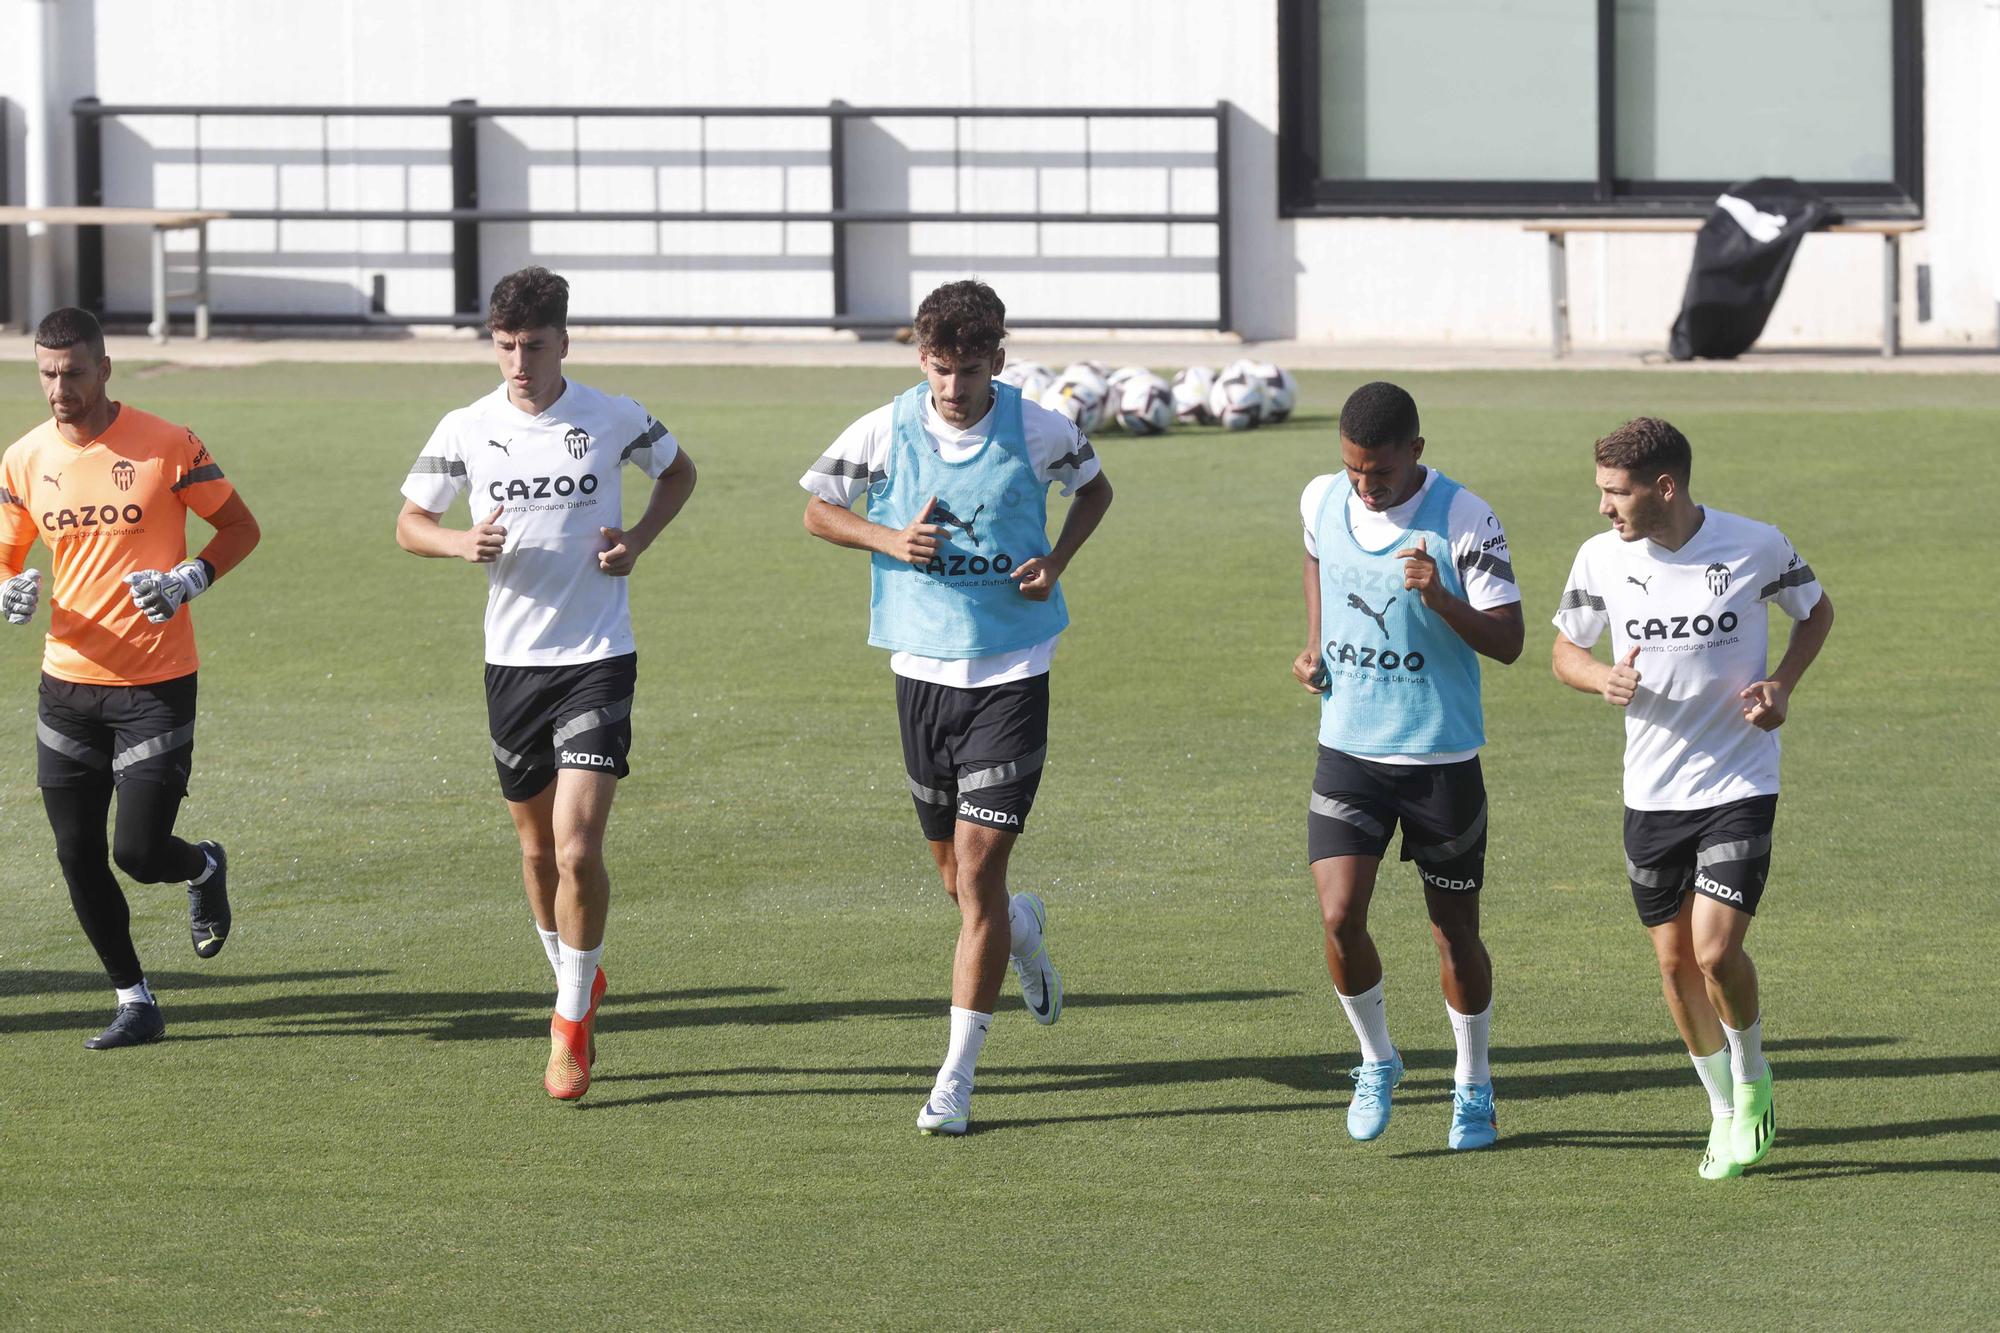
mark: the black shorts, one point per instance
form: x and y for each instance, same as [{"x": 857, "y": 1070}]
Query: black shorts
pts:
[
  {"x": 91, "y": 734},
  {"x": 1356, "y": 803},
  {"x": 974, "y": 755},
  {"x": 546, "y": 718},
  {"x": 1723, "y": 852}
]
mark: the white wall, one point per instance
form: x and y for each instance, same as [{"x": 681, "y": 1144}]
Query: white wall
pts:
[{"x": 1338, "y": 280}]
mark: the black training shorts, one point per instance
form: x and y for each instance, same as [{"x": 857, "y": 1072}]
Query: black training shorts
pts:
[
  {"x": 1356, "y": 804},
  {"x": 1723, "y": 852},
  {"x": 91, "y": 734},
  {"x": 548, "y": 717},
  {"x": 974, "y": 755}
]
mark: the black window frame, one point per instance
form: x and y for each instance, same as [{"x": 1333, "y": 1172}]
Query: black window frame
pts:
[{"x": 1304, "y": 192}]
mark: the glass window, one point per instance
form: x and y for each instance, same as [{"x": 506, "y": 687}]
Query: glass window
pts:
[
  {"x": 1458, "y": 89},
  {"x": 1496, "y": 108},
  {"x": 1720, "y": 90}
]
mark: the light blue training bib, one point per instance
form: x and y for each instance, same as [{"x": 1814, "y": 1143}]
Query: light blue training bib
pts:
[
  {"x": 994, "y": 509},
  {"x": 1399, "y": 680}
]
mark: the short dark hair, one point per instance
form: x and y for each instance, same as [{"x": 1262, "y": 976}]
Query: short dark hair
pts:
[
  {"x": 1647, "y": 447},
  {"x": 534, "y": 298},
  {"x": 1379, "y": 414},
  {"x": 71, "y": 327},
  {"x": 963, "y": 318}
]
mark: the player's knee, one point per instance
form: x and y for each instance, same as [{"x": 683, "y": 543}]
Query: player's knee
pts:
[
  {"x": 1718, "y": 957},
  {"x": 140, "y": 860},
  {"x": 1346, "y": 929},
  {"x": 579, "y": 857},
  {"x": 539, "y": 858}
]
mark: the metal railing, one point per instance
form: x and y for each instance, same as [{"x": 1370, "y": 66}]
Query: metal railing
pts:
[{"x": 467, "y": 217}]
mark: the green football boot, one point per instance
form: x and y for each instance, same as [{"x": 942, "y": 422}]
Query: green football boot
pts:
[
  {"x": 1718, "y": 1161},
  {"x": 1756, "y": 1121}
]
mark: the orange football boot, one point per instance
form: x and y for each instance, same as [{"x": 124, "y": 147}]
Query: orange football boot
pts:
[{"x": 573, "y": 1049}]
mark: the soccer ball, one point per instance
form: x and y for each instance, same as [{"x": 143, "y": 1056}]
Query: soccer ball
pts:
[
  {"x": 1237, "y": 400},
  {"x": 1080, "y": 394},
  {"x": 1084, "y": 381},
  {"x": 1032, "y": 378},
  {"x": 1145, "y": 405},
  {"x": 1281, "y": 391},
  {"x": 1190, "y": 394}
]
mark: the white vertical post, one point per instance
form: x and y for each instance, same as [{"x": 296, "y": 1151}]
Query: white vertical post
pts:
[
  {"x": 1558, "y": 293},
  {"x": 158, "y": 328}
]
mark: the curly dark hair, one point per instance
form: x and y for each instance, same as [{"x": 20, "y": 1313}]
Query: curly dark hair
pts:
[
  {"x": 71, "y": 327},
  {"x": 1647, "y": 447},
  {"x": 534, "y": 298},
  {"x": 1379, "y": 414},
  {"x": 962, "y": 319}
]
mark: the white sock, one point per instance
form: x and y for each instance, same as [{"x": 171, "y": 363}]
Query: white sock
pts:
[
  {"x": 1470, "y": 1030},
  {"x": 139, "y": 994},
  {"x": 1370, "y": 1018},
  {"x": 575, "y": 970},
  {"x": 206, "y": 870},
  {"x": 1746, "y": 1051},
  {"x": 552, "y": 946},
  {"x": 1027, "y": 935},
  {"x": 968, "y": 1035},
  {"x": 1714, "y": 1071}
]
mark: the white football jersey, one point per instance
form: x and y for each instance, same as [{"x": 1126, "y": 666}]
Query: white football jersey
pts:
[
  {"x": 556, "y": 478},
  {"x": 1478, "y": 550},
  {"x": 1697, "y": 617},
  {"x": 860, "y": 457}
]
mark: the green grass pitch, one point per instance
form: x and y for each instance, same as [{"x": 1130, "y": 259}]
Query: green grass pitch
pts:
[{"x": 346, "y": 1121}]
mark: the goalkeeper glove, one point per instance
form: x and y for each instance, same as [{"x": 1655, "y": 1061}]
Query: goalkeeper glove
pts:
[
  {"x": 20, "y": 595},
  {"x": 160, "y": 595}
]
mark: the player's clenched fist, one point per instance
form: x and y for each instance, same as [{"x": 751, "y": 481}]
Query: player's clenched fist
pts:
[
  {"x": 1623, "y": 682},
  {"x": 1309, "y": 671},
  {"x": 1764, "y": 704},
  {"x": 485, "y": 540},
  {"x": 20, "y": 595},
  {"x": 159, "y": 595},
  {"x": 1420, "y": 571},
  {"x": 917, "y": 544}
]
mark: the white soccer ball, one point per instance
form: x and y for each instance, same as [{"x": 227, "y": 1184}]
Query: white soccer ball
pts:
[
  {"x": 1190, "y": 393},
  {"x": 1237, "y": 400},
  {"x": 1145, "y": 405},
  {"x": 1083, "y": 381},
  {"x": 1032, "y": 378},
  {"x": 1281, "y": 391},
  {"x": 1079, "y": 394}
]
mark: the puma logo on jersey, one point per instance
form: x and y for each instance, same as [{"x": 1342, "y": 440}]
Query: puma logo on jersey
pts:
[
  {"x": 1641, "y": 583},
  {"x": 501, "y": 447},
  {"x": 951, "y": 520},
  {"x": 1354, "y": 600},
  {"x": 52, "y": 481}
]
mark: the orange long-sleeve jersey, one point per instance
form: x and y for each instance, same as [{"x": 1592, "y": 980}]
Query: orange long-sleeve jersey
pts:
[{"x": 106, "y": 509}]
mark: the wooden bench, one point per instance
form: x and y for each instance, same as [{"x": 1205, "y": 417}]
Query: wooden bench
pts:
[
  {"x": 1891, "y": 233},
  {"x": 162, "y": 221}
]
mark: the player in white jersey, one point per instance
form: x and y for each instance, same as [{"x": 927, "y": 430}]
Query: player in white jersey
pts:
[
  {"x": 966, "y": 599},
  {"x": 540, "y": 460},
  {"x": 1683, "y": 588},
  {"x": 1408, "y": 582}
]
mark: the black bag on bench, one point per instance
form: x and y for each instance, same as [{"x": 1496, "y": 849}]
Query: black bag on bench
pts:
[{"x": 1741, "y": 256}]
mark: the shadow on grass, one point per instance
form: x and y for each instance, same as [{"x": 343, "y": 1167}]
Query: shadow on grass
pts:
[
  {"x": 1317, "y": 1074},
  {"x": 1789, "y": 1139},
  {"x": 479, "y": 1015},
  {"x": 35, "y": 981}
]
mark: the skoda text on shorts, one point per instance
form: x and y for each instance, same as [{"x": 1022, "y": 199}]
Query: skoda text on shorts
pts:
[
  {"x": 966, "y": 597},
  {"x": 540, "y": 461},
  {"x": 1682, "y": 589},
  {"x": 107, "y": 488},
  {"x": 1408, "y": 582}
]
